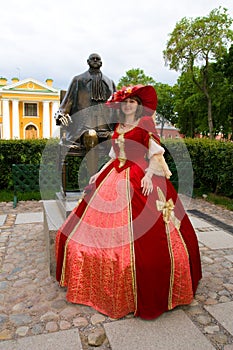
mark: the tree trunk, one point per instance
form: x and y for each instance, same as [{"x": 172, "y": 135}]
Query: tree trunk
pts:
[
  {"x": 204, "y": 89},
  {"x": 209, "y": 104},
  {"x": 162, "y": 126},
  {"x": 210, "y": 119}
]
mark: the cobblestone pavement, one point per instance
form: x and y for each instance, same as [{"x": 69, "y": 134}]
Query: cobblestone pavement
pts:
[{"x": 31, "y": 302}]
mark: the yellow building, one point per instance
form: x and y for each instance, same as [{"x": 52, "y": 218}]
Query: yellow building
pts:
[{"x": 27, "y": 109}]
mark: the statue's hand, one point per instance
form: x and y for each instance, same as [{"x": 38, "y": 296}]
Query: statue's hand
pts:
[
  {"x": 65, "y": 119},
  {"x": 62, "y": 119}
]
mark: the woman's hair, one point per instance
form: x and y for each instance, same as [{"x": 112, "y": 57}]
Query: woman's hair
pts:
[{"x": 138, "y": 113}]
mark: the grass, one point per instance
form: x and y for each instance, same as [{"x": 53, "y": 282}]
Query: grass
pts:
[
  {"x": 220, "y": 200},
  {"x": 8, "y": 196},
  {"x": 216, "y": 199}
]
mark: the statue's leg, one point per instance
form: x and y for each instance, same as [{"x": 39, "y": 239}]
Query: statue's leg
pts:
[{"x": 90, "y": 140}]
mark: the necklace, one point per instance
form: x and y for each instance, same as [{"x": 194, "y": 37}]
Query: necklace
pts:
[{"x": 122, "y": 127}]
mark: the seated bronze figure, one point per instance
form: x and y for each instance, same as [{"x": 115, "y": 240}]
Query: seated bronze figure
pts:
[{"x": 83, "y": 116}]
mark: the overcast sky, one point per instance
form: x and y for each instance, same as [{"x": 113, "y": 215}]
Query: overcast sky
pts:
[{"x": 53, "y": 38}]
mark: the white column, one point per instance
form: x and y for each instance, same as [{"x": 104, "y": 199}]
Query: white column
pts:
[
  {"x": 15, "y": 119},
  {"x": 6, "y": 134},
  {"x": 46, "y": 120},
  {"x": 55, "y": 128}
]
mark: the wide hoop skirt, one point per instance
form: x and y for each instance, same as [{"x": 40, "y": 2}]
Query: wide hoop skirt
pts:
[{"x": 121, "y": 252}]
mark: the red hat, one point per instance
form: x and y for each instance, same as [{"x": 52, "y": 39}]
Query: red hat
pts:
[{"x": 147, "y": 95}]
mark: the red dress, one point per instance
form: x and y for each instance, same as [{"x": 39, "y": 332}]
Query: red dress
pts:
[{"x": 120, "y": 251}]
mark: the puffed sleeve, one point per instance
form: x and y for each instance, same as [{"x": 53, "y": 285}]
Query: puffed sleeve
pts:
[
  {"x": 157, "y": 163},
  {"x": 154, "y": 148}
]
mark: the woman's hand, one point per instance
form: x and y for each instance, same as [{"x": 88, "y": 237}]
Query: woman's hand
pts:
[
  {"x": 147, "y": 185},
  {"x": 93, "y": 178}
]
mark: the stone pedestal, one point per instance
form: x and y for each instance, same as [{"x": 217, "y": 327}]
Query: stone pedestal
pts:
[
  {"x": 67, "y": 203},
  {"x": 55, "y": 213}
]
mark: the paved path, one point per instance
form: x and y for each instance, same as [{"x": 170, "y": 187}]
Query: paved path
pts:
[{"x": 34, "y": 313}]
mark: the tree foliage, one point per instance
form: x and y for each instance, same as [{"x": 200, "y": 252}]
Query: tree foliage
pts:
[
  {"x": 196, "y": 43},
  {"x": 165, "y": 106},
  {"x": 223, "y": 69},
  {"x": 189, "y": 106},
  {"x": 202, "y": 99},
  {"x": 135, "y": 76}
]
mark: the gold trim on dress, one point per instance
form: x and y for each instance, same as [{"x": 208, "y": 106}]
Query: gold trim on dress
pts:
[
  {"x": 121, "y": 144},
  {"x": 167, "y": 209},
  {"x": 131, "y": 239},
  {"x": 172, "y": 268},
  {"x": 74, "y": 230},
  {"x": 153, "y": 138}
]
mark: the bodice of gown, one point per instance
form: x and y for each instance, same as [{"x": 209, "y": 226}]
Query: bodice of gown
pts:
[{"x": 131, "y": 147}]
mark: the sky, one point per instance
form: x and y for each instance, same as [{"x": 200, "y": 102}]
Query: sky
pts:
[{"x": 53, "y": 38}]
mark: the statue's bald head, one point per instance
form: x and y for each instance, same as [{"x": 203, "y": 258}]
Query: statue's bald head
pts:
[{"x": 94, "y": 61}]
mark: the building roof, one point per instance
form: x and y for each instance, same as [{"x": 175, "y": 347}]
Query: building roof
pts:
[{"x": 29, "y": 85}]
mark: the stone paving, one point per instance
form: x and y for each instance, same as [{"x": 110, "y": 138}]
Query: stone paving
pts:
[{"x": 32, "y": 303}]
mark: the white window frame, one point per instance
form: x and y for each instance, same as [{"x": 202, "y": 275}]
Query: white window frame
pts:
[{"x": 37, "y": 109}]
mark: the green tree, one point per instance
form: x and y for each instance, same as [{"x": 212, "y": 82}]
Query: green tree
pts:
[
  {"x": 224, "y": 68},
  {"x": 199, "y": 42},
  {"x": 227, "y": 65},
  {"x": 188, "y": 104},
  {"x": 165, "y": 108},
  {"x": 135, "y": 76}
]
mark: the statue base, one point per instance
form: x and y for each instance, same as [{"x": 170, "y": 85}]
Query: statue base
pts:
[
  {"x": 66, "y": 203},
  {"x": 55, "y": 213}
]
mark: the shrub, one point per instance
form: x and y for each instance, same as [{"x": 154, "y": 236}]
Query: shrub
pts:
[
  {"x": 212, "y": 163},
  {"x": 209, "y": 161}
]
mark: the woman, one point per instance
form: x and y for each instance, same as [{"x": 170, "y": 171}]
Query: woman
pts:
[{"x": 129, "y": 246}]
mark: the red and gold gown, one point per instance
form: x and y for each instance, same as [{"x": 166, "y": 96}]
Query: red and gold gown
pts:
[{"x": 122, "y": 252}]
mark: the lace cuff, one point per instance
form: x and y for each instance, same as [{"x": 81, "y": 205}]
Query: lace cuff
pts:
[{"x": 158, "y": 166}]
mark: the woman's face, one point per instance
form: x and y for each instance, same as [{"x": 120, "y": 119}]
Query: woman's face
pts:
[{"x": 129, "y": 106}]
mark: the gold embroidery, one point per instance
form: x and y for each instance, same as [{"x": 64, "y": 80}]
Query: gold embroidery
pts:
[
  {"x": 102, "y": 277},
  {"x": 122, "y": 156},
  {"x": 131, "y": 240},
  {"x": 171, "y": 223},
  {"x": 166, "y": 207},
  {"x": 72, "y": 233},
  {"x": 183, "y": 242},
  {"x": 172, "y": 269},
  {"x": 121, "y": 141}
]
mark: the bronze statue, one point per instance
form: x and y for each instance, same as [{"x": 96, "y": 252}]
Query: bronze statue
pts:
[{"x": 83, "y": 115}]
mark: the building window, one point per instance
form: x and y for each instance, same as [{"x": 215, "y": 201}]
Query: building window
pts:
[{"x": 30, "y": 110}]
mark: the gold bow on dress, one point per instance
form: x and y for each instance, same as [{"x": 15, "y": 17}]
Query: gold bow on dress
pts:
[{"x": 166, "y": 207}]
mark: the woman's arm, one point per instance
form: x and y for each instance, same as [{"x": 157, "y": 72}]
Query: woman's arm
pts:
[{"x": 157, "y": 166}]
